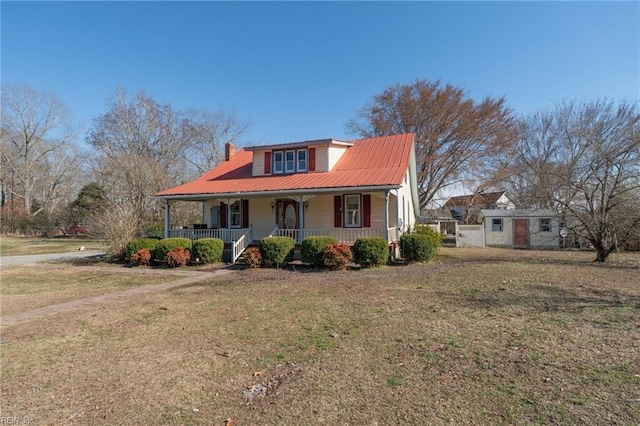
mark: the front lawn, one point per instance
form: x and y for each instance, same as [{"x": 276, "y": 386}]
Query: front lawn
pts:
[{"x": 482, "y": 336}]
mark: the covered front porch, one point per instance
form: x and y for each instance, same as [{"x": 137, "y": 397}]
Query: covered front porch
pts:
[{"x": 345, "y": 216}]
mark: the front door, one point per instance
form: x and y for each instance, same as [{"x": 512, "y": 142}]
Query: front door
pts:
[
  {"x": 287, "y": 217},
  {"x": 521, "y": 232}
]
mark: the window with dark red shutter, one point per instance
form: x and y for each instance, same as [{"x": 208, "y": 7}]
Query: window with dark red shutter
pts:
[
  {"x": 267, "y": 163},
  {"x": 366, "y": 210},
  {"x": 337, "y": 211},
  {"x": 312, "y": 159}
]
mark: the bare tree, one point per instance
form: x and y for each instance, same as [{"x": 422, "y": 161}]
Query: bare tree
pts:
[
  {"x": 37, "y": 155},
  {"x": 143, "y": 147},
  {"x": 583, "y": 160},
  {"x": 455, "y": 136},
  {"x": 209, "y": 133}
]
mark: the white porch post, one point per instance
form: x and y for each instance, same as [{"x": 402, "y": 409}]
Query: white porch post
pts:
[
  {"x": 301, "y": 214},
  {"x": 228, "y": 219},
  {"x": 167, "y": 209},
  {"x": 386, "y": 213}
]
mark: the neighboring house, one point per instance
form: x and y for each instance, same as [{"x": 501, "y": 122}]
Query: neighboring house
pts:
[
  {"x": 442, "y": 218},
  {"x": 465, "y": 208},
  {"x": 521, "y": 228},
  {"x": 344, "y": 189}
]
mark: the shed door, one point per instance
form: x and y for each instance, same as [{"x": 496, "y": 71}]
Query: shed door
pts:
[{"x": 521, "y": 232}]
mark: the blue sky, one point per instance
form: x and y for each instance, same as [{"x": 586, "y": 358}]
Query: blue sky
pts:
[{"x": 300, "y": 70}]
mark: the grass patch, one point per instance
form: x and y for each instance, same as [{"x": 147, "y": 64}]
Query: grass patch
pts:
[
  {"x": 26, "y": 288},
  {"x": 10, "y": 246},
  {"x": 481, "y": 337}
]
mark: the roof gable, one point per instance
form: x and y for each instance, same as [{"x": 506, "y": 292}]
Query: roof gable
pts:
[{"x": 482, "y": 199}]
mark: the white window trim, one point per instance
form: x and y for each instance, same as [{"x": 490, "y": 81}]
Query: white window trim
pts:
[
  {"x": 550, "y": 226},
  {"x": 358, "y": 210},
  {"x": 286, "y": 165},
  {"x": 301, "y": 169},
  {"x": 493, "y": 225},
  {"x": 239, "y": 213},
  {"x": 274, "y": 169}
]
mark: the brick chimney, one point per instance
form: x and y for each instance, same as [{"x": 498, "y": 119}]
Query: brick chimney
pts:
[{"x": 229, "y": 151}]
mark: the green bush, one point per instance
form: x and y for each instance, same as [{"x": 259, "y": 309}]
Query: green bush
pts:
[
  {"x": 208, "y": 250},
  {"x": 337, "y": 256},
  {"x": 418, "y": 247},
  {"x": 313, "y": 248},
  {"x": 276, "y": 251},
  {"x": 164, "y": 246},
  {"x": 134, "y": 246},
  {"x": 372, "y": 251},
  {"x": 436, "y": 237}
]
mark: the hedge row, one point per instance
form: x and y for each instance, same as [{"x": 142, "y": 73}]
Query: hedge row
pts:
[{"x": 204, "y": 250}]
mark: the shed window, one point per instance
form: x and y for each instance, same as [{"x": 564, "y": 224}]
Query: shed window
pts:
[
  {"x": 496, "y": 225},
  {"x": 545, "y": 225}
]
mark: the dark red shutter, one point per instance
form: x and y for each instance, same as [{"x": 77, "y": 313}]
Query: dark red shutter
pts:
[
  {"x": 366, "y": 210},
  {"x": 337, "y": 211},
  {"x": 245, "y": 213},
  {"x": 267, "y": 163},
  {"x": 223, "y": 215},
  {"x": 312, "y": 159}
]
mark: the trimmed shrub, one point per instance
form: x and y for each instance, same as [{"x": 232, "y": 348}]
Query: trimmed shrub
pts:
[
  {"x": 276, "y": 251},
  {"x": 312, "y": 249},
  {"x": 134, "y": 246},
  {"x": 371, "y": 251},
  {"x": 177, "y": 257},
  {"x": 142, "y": 257},
  {"x": 208, "y": 250},
  {"x": 336, "y": 256},
  {"x": 436, "y": 237},
  {"x": 252, "y": 257},
  {"x": 417, "y": 247},
  {"x": 164, "y": 246}
]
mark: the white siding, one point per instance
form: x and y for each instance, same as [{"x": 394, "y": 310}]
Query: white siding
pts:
[
  {"x": 497, "y": 238},
  {"x": 322, "y": 158},
  {"x": 258, "y": 163},
  {"x": 319, "y": 214},
  {"x": 335, "y": 152},
  {"x": 261, "y": 217},
  {"x": 537, "y": 239}
]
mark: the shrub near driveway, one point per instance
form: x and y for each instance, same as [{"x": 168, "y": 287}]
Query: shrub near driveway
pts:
[
  {"x": 134, "y": 246},
  {"x": 166, "y": 245},
  {"x": 208, "y": 250}
]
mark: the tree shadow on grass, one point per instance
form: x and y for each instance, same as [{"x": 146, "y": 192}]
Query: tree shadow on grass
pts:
[{"x": 544, "y": 298}]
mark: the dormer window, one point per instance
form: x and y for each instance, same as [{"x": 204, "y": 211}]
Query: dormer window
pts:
[
  {"x": 289, "y": 161},
  {"x": 278, "y": 162},
  {"x": 302, "y": 160}
]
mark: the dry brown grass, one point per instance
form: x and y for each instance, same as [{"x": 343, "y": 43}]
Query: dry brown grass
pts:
[
  {"x": 11, "y": 246},
  {"x": 479, "y": 337},
  {"x": 24, "y": 288}
]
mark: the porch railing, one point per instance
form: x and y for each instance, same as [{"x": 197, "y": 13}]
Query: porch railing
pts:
[
  {"x": 240, "y": 245},
  {"x": 226, "y": 235},
  {"x": 343, "y": 235}
]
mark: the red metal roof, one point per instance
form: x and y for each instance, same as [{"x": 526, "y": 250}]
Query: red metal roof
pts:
[{"x": 381, "y": 161}]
